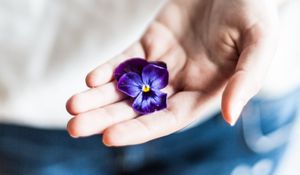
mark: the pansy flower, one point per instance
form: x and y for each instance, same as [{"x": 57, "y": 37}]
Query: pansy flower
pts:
[{"x": 142, "y": 81}]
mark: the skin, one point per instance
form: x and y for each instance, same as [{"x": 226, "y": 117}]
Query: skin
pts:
[{"x": 215, "y": 50}]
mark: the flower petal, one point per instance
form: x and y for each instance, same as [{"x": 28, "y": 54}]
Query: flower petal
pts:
[
  {"x": 149, "y": 102},
  {"x": 155, "y": 76},
  {"x": 130, "y": 84},
  {"x": 159, "y": 63},
  {"x": 132, "y": 65}
]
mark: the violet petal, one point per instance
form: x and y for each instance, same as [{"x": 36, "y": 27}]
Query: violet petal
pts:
[
  {"x": 130, "y": 84},
  {"x": 149, "y": 102},
  {"x": 155, "y": 76},
  {"x": 132, "y": 65},
  {"x": 159, "y": 63}
]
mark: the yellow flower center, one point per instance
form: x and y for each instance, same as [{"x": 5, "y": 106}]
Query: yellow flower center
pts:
[{"x": 146, "y": 88}]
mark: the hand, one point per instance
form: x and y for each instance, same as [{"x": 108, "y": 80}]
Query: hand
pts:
[{"x": 213, "y": 49}]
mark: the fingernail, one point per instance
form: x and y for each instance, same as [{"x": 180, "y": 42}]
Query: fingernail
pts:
[
  {"x": 107, "y": 144},
  {"x": 73, "y": 136},
  {"x": 230, "y": 121},
  {"x": 234, "y": 118},
  {"x": 235, "y": 114}
]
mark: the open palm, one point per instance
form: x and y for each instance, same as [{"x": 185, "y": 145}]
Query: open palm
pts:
[{"x": 213, "y": 49}]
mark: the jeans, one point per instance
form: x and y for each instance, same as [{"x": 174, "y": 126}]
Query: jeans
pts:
[{"x": 253, "y": 146}]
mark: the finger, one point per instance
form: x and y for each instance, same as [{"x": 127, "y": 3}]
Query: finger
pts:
[
  {"x": 104, "y": 73},
  {"x": 157, "y": 40},
  {"x": 94, "y": 98},
  {"x": 100, "y": 96},
  {"x": 94, "y": 122},
  {"x": 251, "y": 69},
  {"x": 161, "y": 45},
  {"x": 182, "y": 109},
  {"x": 108, "y": 94}
]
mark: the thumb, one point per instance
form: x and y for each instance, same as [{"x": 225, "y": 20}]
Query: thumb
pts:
[{"x": 255, "y": 58}]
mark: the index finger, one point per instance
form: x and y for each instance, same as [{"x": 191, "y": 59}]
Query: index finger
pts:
[
  {"x": 104, "y": 73},
  {"x": 161, "y": 123}
]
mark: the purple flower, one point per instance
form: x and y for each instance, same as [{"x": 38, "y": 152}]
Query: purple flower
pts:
[{"x": 143, "y": 81}]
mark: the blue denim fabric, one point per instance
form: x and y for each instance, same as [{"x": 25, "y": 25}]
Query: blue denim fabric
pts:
[{"x": 253, "y": 146}]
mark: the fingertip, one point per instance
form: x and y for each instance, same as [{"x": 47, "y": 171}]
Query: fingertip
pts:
[
  {"x": 71, "y": 129},
  {"x": 69, "y": 106},
  {"x": 101, "y": 75},
  {"x": 232, "y": 101},
  {"x": 106, "y": 139},
  {"x": 81, "y": 126},
  {"x": 109, "y": 138},
  {"x": 89, "y": 80},
  {"x": 231, "y": 114},
  {"x": 113, "y": 136},
  {"x": 72, "y": 105},
  {"x": 225, "y": 106},
  {"x": 225, "y": 114}
]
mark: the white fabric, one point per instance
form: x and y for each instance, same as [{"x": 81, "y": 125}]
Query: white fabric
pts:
[
  {"x": 284, "y": 74},
  {"x": 47, "y": 47}
]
